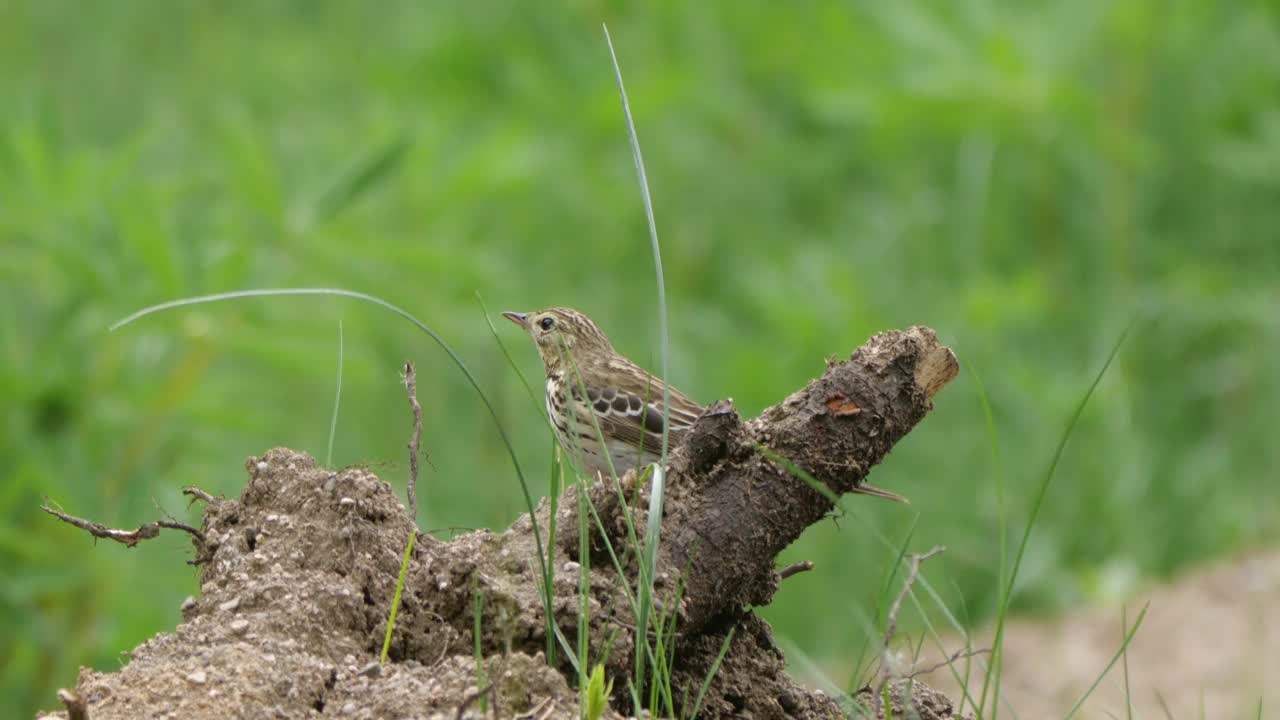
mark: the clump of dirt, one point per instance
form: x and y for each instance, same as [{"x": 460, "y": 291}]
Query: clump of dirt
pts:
[{"x": 296, "y": 583}]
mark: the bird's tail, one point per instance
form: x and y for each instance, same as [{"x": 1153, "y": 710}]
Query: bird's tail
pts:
[{"x": 874, "y": 491}]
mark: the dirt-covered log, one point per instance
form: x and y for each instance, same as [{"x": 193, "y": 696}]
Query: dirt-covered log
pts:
[{"x": 732, "y": 509}]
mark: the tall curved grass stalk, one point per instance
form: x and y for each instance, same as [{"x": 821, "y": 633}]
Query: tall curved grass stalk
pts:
[
  {"x": 547, "y": 605},
  {"x": 657, "y": 487},
  {"x": 1007, "y": 591}
]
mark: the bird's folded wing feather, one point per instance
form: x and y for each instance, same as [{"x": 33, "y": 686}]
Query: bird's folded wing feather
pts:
[{"x": 637, "y": 419}]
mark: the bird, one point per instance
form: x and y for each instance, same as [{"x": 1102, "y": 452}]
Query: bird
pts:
[{"x": 624, "y": 403}]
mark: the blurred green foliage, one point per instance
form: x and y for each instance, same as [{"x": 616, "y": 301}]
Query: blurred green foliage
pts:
[{"x": 1024, "y": 177}]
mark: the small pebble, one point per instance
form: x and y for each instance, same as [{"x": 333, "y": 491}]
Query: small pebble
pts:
[
  {"x": 571, "y": 567},
  {"x": 349, "y": 709},
  {"x": 262, "y": 466},
  {"x": 198, "y": 677},
  {"x": 230, "y": 605},
  {"x": 239, "y": 626},
  {"x": 373, "y": 669},
  {"x": 346, "y": 502},
  {"x": 189, "y": 603}
]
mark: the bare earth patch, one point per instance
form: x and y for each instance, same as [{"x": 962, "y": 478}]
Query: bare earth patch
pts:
[{"x": 1210, "y": 640}]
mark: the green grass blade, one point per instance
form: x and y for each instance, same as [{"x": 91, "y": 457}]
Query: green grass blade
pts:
[
  {"x": 584, "y": 582},
  {"x": 1039, "y": 501},
  {"x": 1128, "y": 638},
  {"x": 359, "y": 178},
  {"x": 1128, "y": 692},
  {"x": 800, "y": 473},
  {"x": 656, "y": 489},
  {"x": 477, "y": 614},
  {"x": 337, "y": 401},
  {"x": 395, "y": 600},
  {"x": 715, "y": 667},
  {"x": 538, "y": 404},
  {"x": 1002, "y": 514},
  {"x": 553, "y": 487}
]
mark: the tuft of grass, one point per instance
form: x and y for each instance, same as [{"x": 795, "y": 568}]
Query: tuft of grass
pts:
[{"x": 597, "y": 693}]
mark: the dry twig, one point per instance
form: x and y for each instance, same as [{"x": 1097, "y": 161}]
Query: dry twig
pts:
[
  {"x": 197, "y": 494},
  {"x": 411, "y": 386},
  {"x": 129, "y": 538},
  {"x": 891, "y": 623},
  {"x": 796, "y": 569},
  {"x": 471, "y": 698},
  {"x": 957, "y": 655}
]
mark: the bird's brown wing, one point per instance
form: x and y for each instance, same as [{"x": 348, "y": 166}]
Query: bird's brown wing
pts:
[{"x": 631, "y": 410}]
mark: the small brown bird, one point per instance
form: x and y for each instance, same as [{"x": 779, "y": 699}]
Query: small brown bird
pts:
[{"x": 622, "y": 399}]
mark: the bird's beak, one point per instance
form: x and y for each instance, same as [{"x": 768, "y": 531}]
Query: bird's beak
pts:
[{"x": 521, "y": 319}]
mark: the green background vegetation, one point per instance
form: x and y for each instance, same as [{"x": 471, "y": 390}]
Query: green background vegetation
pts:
[{"x": 1025, "y": 178}]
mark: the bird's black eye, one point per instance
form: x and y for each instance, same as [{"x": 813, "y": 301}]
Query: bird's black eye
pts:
[{"x": 547, "y": 323}]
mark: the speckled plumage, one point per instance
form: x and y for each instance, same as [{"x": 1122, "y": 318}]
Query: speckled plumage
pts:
[{"x": 589, "y": 384}]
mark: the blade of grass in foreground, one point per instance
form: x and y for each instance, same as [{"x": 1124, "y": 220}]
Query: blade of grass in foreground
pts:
[
  {"x": 475, "y": 384},
  {"x": 1124, "y": 647},
  {"x": 537, "y": 404},
  {"x": 1002, "y": 514},
  {"x": 395, "y": 601},
  {"x": 1007, "y": 593},
  {"x": 715, "y": 667},
  {"x": 477, "y": 613},
  {"x": 554, "y": 484},
  {"x": 656, "y": 490}
]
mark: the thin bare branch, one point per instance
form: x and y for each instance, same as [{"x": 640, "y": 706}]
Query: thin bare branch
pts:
[
  {"x": 957, "y": 655},
  {"x": 415, "y": 442},
  {"x": 891, "y": 623},
  {"x": 128, "y": 538},
  {"x": 197, "y": 494},
  {"x": 796, "y": 569}
]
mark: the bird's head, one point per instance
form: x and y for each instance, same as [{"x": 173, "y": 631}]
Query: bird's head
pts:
[{"x": 563, "y": 334}]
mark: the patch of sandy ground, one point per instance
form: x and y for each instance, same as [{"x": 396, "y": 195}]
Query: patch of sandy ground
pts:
[{"x": 1209, "y": 647}]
